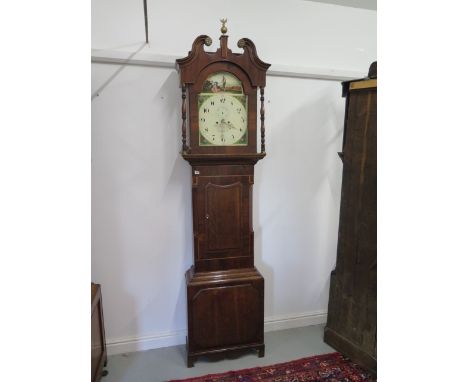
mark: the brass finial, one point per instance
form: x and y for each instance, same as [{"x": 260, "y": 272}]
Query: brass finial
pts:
[{"x": 223, "y": 27}]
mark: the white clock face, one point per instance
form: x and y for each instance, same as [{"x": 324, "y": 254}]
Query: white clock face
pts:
[
  {"x": 222, "y": 120},
  {"x": 222, "y": 111}
]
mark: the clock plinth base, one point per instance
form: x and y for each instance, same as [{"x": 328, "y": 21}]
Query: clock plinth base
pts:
[{"x": 225, "y": 312}]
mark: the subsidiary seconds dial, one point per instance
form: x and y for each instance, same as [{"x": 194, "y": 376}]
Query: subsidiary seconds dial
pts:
[{"x": 223, "y": 120}]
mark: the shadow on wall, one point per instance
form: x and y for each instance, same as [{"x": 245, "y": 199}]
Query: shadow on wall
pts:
[
  {"x": 179, "y": 182},
  {"x": 142, "y": 234},
  {"x": 182, "y": 167},
  {"x": 116, "y": 73},
  {"x": 301, "y": 163},
  {"x": 107, "y": 258}
]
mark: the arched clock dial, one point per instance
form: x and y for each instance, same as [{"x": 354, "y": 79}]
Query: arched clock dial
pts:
[{"x": 222, "y": 120}]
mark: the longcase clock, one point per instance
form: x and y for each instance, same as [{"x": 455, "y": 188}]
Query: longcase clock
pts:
[{"x": 225, "y": 292}]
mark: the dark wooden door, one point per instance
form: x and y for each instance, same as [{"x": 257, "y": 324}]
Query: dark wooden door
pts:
[
  {"x": 223, "y": 216},
  {"x": 229, "y": 315},
  {"x": 352, "y": 310},
  {"x": 222, "y": 212}
]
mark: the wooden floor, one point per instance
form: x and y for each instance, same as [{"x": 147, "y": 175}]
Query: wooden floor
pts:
[{"x": 169, "y": 363}]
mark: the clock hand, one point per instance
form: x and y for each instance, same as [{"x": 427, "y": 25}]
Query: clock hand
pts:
[
  {"x": 222, "y": 128},
  {"x": 223, "y": 125},
  {"x": 228, "y": 125}
]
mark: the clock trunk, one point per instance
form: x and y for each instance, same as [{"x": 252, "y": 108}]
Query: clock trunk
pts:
[{"x": 222, "y": 204}]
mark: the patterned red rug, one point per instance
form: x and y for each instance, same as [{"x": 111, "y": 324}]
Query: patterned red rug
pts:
[{"x": 331, "y": 367}]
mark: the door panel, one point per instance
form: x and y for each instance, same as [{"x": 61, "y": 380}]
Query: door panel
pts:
[
  {"x": 223, "y": 215},
  {"x": 223, "y": 211},
  {"x": 227, "y": 315}
]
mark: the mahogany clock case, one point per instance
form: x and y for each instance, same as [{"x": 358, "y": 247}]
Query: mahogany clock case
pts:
[{"x": 225, "y": 292}]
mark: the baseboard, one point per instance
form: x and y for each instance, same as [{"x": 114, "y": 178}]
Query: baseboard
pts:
[
  {"x": 133, "y": 344},
  {"x": 295, "y": 321},
  {"x": 177, "y": 337}
]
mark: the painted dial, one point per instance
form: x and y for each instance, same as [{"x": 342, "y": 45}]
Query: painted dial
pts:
[{"x": 223, "y": 120}]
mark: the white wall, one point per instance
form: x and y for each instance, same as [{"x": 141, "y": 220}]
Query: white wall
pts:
[
  {"x": 141, "y": 206},
  {"x": 287, "y": 32}
]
